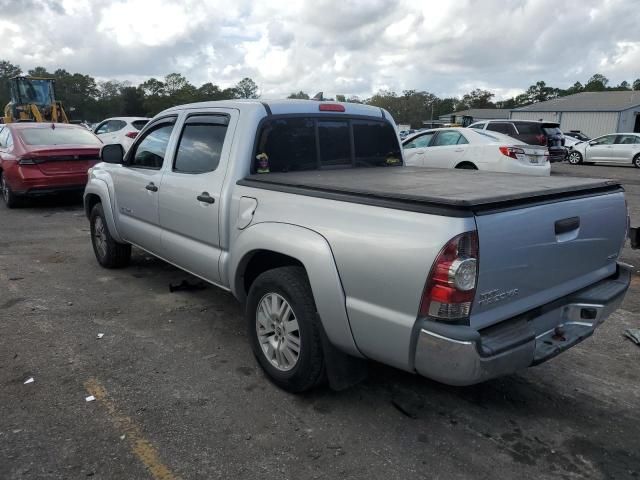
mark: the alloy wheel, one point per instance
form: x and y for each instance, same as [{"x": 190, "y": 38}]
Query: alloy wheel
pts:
[
  {"x": 574, "y": 158},
  {"x": 100, "y": 237},
  {"x": 278, "y": 331}
]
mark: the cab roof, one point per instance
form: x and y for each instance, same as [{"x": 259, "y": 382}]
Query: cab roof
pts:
[{"x": 286, "y": 106}]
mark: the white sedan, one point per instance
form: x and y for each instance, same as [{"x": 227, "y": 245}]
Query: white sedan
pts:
[
  {"x": 621, "y": 148},
  {"x": 473, "y": 149},
  {"x": 120, "y": 130}
]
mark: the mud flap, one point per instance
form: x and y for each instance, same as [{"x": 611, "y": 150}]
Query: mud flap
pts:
[
  {"x": 343, "y": 371},
  {"x": 634, "y": 236}
]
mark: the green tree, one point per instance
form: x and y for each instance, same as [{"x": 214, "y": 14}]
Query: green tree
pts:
[
  {"x": 624, "y": 85},
  {"x": 540, "y": 92},
  {"x": 341, "y": 98},
  {"x": 246, "y": 88},
  {"x": 174, "y": 82},
  {"x": 597, "y": 83},
  {"x": 132, "y": 101},
  {"x": 7, "y": 70},
  {"x": 636, "y": 84},
  {"x": 478, "y": 98},
  {"x": 39, "y": 72},
  {"x": 153, "y": 86},
  {"x": 300, "y": 95}
]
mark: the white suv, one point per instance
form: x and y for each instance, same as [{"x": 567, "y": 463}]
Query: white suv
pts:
[{"x": 120, "y": 130}]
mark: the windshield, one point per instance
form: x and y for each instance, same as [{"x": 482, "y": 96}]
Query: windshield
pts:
[
  {"x": 35, "y": 91},
  {"x": 59, "y": 136}
]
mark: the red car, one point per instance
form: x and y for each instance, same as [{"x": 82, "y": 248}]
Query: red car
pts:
[{"x": 44, "y": 158}]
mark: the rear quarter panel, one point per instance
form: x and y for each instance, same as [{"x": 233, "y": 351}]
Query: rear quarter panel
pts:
[{"x": 382, "y": 255}]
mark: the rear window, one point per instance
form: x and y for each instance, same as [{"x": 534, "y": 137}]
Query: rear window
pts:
[
  {"x": 59, "y": 136},
  {"x": 502, "y": 127},
  {"x": 307, "y": 143},
  {"x": 138, "y": 124},
  {"x": 552, "y": 131},
  {"x": 529, "y": 128},
  {"x": 375, "y": 143}
]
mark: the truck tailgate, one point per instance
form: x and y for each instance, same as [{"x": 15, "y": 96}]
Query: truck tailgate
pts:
[{"x": 535, "y": 254}]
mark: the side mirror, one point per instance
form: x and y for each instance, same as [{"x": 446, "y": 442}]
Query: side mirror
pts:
[
  {"x": 112, "y": 153},
  {"x": 592, "y": 143}
]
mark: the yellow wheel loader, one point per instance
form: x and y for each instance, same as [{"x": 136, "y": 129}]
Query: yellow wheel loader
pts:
[{"x": 33, "y": 100}]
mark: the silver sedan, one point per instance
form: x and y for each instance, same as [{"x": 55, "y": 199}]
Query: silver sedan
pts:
[{"x": 621, "y": 148}]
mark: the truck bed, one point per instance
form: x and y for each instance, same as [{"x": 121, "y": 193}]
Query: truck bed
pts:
[{"x": 438, "y": 191}]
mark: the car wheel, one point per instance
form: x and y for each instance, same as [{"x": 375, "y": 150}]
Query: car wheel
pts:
[
  {"x": 10, "y": 199},
  {"x": 575, "y": 158},
  {"x": 109, "y": 253},
  {"x": 284, "y": 329},
  {"x": 636, "y": 160}
]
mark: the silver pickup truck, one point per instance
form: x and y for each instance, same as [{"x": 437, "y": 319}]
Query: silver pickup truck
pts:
[{"x": 340, "y": 254}]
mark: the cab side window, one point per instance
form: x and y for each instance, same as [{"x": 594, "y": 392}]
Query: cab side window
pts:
[
  {"x": 201, "y": 144},
  {"x": 151, "y": 150}
]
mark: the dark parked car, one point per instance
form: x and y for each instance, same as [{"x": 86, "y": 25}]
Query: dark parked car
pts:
[{"x": 531, "y": 132}]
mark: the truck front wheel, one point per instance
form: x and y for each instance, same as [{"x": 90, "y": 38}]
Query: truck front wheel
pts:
[
  {"x": 109, "y": 253},
  {"x": 283, "y": 328}
]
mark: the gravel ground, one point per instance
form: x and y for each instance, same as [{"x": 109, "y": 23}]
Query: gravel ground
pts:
[{"x": 179, "y": 395}]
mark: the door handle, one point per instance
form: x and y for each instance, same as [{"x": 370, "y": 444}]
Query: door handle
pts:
[
  {"x": 151, "y": 187},
  {"x": 206, "y": 198},
  {"x": 459, "y": 150},
  {"x": 567, "y": 225}
]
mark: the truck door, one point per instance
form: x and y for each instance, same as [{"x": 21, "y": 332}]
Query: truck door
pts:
[
  {"x": 137, "y": 182},
  {"x": 191, "y": 199}
]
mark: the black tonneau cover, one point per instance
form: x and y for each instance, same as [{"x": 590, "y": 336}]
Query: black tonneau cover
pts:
[{"x": 440, "y": 191}]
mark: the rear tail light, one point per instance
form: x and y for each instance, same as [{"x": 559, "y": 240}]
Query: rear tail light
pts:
[
  {"x": 451, "y": 285},
  {"x": 331, "y": 107},
  {"x": 511, "y": 152},
  {"x": 131, "y": 134}
]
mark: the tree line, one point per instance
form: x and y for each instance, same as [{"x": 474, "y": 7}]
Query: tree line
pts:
[{"x": 86, "y": 99}]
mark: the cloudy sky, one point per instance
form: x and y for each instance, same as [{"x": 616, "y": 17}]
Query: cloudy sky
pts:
[{"x": 353, "y": 47}]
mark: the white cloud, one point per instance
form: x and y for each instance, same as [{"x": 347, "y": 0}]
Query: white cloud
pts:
[{"x": 353, "y": 47}]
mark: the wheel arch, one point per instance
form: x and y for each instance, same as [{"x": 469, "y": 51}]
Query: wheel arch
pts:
[
  {"x": 96, "y": 192},
  {"x": 467, "y": 164},
  {"x": 271, "y": 245}
]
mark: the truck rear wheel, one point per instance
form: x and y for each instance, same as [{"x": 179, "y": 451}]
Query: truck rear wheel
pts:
[
  {"x": 109, "y": 253},
  {"x": 283, "y": 328}
]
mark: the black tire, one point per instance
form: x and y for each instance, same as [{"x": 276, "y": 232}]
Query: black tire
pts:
[
  {"x": 110, "y": 254},
  {"x": 466, "y": 166},
  {"x": 636, "y": 161},
  {"x": 575, "y": 158},
  {"x": 292, "y": 285},
  {"x": 11, "y": 200}
]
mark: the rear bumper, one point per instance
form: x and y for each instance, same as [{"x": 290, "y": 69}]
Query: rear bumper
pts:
[
  {"x": 460, "y": 355},
  {"x": 50, "y": 190}
]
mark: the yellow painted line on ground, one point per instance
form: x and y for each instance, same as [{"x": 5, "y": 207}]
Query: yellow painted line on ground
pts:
[{"x": 140, "y": 446}]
